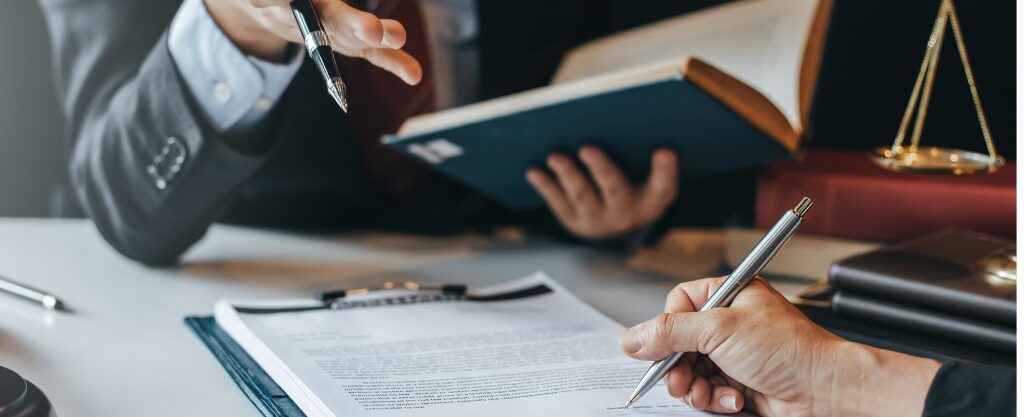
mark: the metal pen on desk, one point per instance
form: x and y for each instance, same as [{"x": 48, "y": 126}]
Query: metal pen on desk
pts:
[
  {"x": 319, "y": 48},
  {"x": 35, "y": 295},
  {"x": 759, "y": 256}
]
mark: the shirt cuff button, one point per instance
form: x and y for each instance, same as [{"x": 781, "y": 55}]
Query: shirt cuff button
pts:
[
  {"x": 221, "y": 92},
  {"x": 262, "y": 104}
]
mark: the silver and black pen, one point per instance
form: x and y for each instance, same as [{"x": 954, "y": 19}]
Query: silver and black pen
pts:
[
  {"x": 759, "y": 256},
  {"x": 34, "y": 295},
  {"x": 319, "y": 48}
]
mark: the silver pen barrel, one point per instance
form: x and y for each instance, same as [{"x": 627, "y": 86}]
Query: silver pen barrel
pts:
[
  {"x": 25, "y": 292},
  {"x": 752, "y": 264}
]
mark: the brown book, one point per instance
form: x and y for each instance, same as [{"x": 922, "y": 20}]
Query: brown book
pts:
[
  {"x": 856, "y": 199},
  {"x": 805, "y": 256},
  {"x": 760, "y": 58},
  {"x": 728, "y": 88}
]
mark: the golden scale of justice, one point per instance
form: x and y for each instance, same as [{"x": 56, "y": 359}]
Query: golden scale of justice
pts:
[
  {"x": 1000, "y": 268},
  {"x": 935, "y": 160}
]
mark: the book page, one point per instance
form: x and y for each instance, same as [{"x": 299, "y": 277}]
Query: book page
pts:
[
  {"x": 759, "y": 42},
  {"x": 540, "y": 355}
]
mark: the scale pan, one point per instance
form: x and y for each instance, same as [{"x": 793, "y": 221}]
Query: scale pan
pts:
[{"x": 935, "y": 160}]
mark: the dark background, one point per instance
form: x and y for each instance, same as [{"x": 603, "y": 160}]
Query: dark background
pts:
[{"x": 874, "y": 50}]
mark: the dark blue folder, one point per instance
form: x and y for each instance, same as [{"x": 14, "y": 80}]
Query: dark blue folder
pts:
[{"x": 264, "y": 393}]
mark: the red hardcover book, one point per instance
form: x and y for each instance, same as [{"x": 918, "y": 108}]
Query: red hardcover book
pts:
[{"x": 855, "y": 198}]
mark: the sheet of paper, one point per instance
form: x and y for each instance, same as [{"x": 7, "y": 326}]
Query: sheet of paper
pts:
[{"x": 544, "y": 355}]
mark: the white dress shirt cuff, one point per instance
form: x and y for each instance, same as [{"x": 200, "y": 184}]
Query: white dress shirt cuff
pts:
[{"x": 235, "y": 91}]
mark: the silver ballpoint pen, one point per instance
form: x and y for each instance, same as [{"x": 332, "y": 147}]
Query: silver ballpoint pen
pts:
[
  {"x": 759, "y": 256},
  {"x": 35, "y": 295}
]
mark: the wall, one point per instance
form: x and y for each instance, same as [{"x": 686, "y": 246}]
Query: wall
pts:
[{"x": 31, "y": 126}]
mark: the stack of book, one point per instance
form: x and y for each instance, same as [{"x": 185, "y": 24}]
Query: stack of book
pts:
[
  {"x": 936, "y": 285},
  {"x": 856, "y": 199}
]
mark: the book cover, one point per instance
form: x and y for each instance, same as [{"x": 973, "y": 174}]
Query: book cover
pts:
[
  {"x": 940, "y": 273},
  {"x": 856, "y": 199},
  {"x": 727, "y": 88},
  {"x": 955, "y": 328}
]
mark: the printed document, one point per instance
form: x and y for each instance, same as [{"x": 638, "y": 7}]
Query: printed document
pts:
[{"x": 540, "y": 353}]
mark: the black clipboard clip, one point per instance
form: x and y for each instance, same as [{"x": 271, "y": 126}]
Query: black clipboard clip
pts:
[
  {"x": 337, "y": 299},
  {"x": 332, "y": 297}
]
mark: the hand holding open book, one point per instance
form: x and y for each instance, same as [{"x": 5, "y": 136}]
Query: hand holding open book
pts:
[{"x": 726, "y": 88}]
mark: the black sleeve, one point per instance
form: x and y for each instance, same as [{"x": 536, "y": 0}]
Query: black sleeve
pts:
[
  {"x": 144, "y": 163},
  {"x": 968, "y": 389}
]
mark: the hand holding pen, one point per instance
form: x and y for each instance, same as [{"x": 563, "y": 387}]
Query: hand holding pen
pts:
[
  {"x": 763, "y": 355},
  {"x": 264, "y": 28}
]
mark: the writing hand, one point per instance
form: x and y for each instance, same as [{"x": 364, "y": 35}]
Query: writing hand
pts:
[
  {"x": 610, "y": 205},
  {"x": 763, "y": 354}
]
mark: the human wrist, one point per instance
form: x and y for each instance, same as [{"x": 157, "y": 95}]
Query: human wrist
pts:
[
  {"x": 248, "y": 35},
  {"x": 876, "y": 382}
]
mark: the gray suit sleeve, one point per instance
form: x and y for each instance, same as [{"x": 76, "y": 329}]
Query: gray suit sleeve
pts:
[{"x": 144, "y": 163}]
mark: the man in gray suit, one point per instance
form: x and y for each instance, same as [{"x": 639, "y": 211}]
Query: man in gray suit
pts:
[{"x": 182, "y": 114}]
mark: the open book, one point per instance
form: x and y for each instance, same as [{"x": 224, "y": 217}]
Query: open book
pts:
[
  {"x": 524, "y": 348},
  {"x": 727, "y": 87}
]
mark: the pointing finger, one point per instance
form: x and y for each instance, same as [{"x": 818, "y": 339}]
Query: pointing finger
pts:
[
  {"x": 395, "y": 61},
  {"x": 348, "y": 27}
]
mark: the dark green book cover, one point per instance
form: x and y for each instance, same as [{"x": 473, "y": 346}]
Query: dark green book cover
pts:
[{"x": 492, "y": 155}]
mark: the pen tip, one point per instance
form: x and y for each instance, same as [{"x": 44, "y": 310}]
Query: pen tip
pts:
[
  {"x": 341, "y": 102},
  {"x": 337, "y": 90}
]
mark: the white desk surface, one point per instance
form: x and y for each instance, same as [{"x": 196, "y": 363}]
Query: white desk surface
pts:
[{"x": 124, "y": 350}]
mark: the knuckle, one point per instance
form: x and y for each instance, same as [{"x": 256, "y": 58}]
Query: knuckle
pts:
[
  {"x": 580, "y": 196},
  {"x": 619, "y": 223},
  {"x": 678, "y": 292},
  {"x": 369, "y": 25},
  {"x": 603, "y": 170},
  {"x": 664, "y": 327},
  {"x": 615, "y": 191},
  {"x": 335, "y": 30},
  {"x": 722, "y": 320}
]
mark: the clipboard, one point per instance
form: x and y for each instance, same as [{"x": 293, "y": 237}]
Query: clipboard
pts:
[{"x": 260, "y": 388}]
